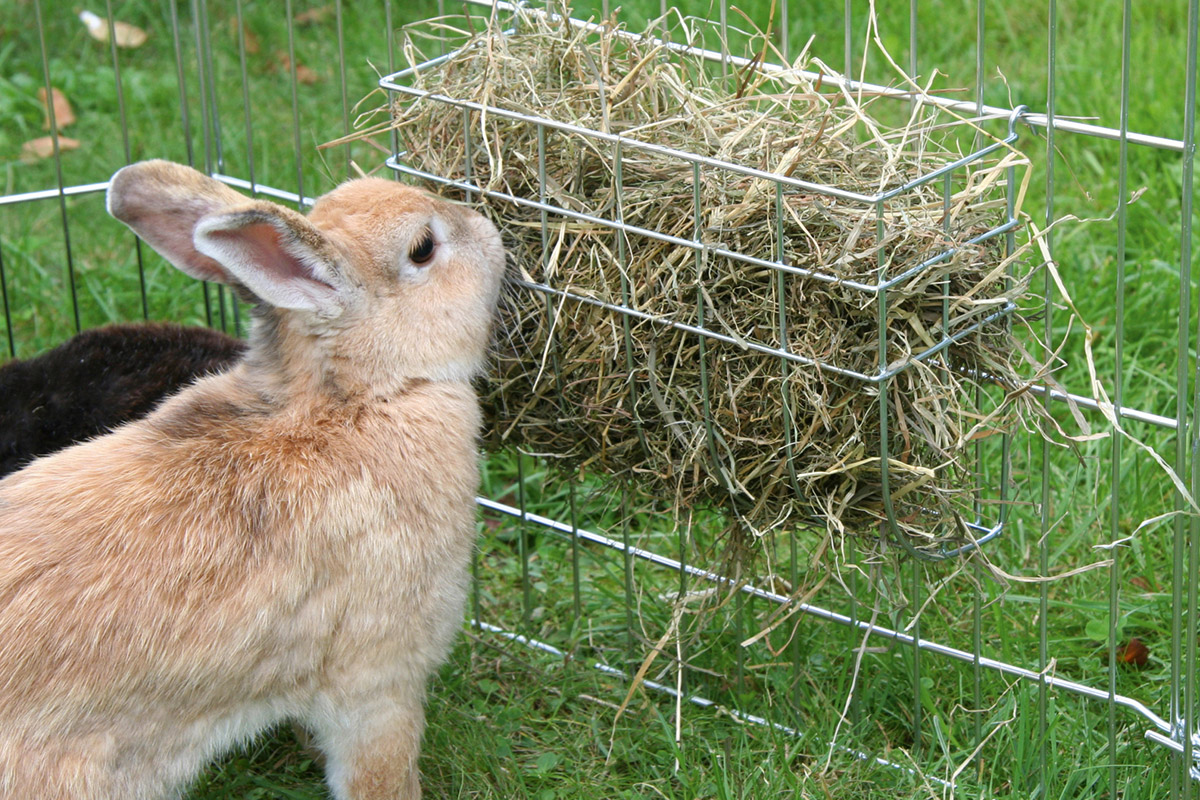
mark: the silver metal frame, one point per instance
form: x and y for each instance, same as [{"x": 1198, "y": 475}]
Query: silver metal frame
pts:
[{"x": 1177, "y": 728}]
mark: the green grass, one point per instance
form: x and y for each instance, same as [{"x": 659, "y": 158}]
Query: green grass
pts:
[{"x": 506, "y": 721}]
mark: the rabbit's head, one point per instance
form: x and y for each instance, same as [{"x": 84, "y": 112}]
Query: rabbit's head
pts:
[{"x": 379, "y": 284}]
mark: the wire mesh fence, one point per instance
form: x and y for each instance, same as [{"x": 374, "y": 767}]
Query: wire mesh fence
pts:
[{"x": 1004, "y": 666}]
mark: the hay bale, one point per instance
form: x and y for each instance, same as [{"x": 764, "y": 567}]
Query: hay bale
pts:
[{"x": 724, "y": 420}]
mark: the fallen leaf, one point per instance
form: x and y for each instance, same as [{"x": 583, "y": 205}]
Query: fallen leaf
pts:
[
  {"x": 64, "y": 115},
  {"x": 128, "y": 36},
  {"x": 1134, "y": 653},
  {"x": 43, "y": 147},
  {"x": 306, "y": 76},
  {"x": 314, "y": 16},
  {"x": 303, "y": 74},
  {"x": 248, "y": 36},
  {"x": 1140, "y": 582}
]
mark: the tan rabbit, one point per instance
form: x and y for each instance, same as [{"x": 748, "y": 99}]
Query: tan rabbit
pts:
[{"x": 287, "y": 540}]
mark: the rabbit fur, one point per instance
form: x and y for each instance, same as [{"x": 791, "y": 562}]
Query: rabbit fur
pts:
[
  {"x": 98, "y": 380},
  {"x": 289, "y": 539}
]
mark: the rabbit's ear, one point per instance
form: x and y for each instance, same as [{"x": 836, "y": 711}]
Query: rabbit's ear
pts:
[
  {"x": 277, "y": 254},
  {"x": 162, "y": 202}
]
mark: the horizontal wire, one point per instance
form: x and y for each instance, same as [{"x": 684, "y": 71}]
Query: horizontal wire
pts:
[
  {"x": 967, "y": 107},
  {"x": 1129, "y": 703},
  {"x": 696, "y": 700}
]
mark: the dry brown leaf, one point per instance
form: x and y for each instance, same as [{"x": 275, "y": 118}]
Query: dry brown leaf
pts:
[
  {"x": 43, "y": 146},
  {"x": 304, "y": 74},
  {"x": 128, "y": 36},
  {"x": 248, "y": 36},
  {"x": 314, "y": 16},
  {"x": 1134, "y": 653},
  {"x": 64, "y": 115}
]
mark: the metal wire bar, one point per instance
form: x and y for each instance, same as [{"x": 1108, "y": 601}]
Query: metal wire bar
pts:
[
  {"x": 201, "y": 76},
  {"x": 394, "y": 134},
  {"x": 246, "y": 116},
  {"x": 341, "y": 48},
  {"x": 124, "y": 121},
  {"x": 523, "y": 548},
  {"x": 58, "y": 173},
  {"x": 1049, "y": 679},
  {"x": 1189, "y": 728},
  {"x": 867, "y": 200},
  {"x": 1034, "y": 119},
  {"x": 1114, "y": 574},
  {"x": 627, "y": 296},
  {"x": 184, "y": 116},
  {"x": 8, "y": 326},
  {"x": 1048, "y": 336},
  {"x": 696, "y": 700},
  {"x": 576, "y": 586},
  {"x": 291, "y": 49},
  {"x": 212, "y": 132},
  {"x": 396, "y": 163}
]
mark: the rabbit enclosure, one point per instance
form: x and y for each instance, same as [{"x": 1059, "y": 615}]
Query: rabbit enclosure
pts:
[{"x": 987, "y": 588}]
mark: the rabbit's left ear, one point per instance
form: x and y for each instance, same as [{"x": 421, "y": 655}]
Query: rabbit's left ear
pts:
[{"x": 278, "y": 255}]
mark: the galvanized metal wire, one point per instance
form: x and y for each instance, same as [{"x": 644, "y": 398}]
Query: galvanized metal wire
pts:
[{"x": 1176, "y": 728}]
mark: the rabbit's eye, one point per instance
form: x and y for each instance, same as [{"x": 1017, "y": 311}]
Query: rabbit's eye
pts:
[{"x": 421, "y": 252}]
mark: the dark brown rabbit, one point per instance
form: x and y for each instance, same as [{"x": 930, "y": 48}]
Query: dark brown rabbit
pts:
[
  {"x": 289, "y": 539},
  {"x": 98, "y": 380}
]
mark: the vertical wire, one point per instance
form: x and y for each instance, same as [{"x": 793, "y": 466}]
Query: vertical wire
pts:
[
  {"x": 214, "y": 153},
  {"x": 394, "y": 134},
  {"x": 291, "y": 44},
  {"x": 627, "y": 294},
  {"x": 739, "y": 627},
  {"x": 848, "y": 42},
  {"x": 1043, "y": 546},
  {"x": 476, "y": 604},
  {"x": 468, "y": 154},
  {"x": 947, "y": 190},
  {"x": 850, "y": 547},
  {"x": 523, "y": 547},
  {"x": 204, "y": 133},
  {"x": 684, "y": 539},
  {"x": 789, "y": 439},
  {"x": 917, "y": 715},
  {"x": 1114, "y": 520},
  {"x": 184, "y": 116},
  {"x": 724, "y": 23},
  {"x": 576, "y": 593},
  {"x": 249, "y": 133},
  {"x": 789, "y": 416},
  {"x": 977, "y": 588},
  {"x": 202, "y": 77},
  {"x": 120, "y": 86},
  {"x": 204, "y": 44},
  {"x": 627, "y": 553},
  {"x": 8, "y": 325},
  {"x": 246, "y": 115},
  {"x": 784, "y": 31},
  {"x": 705, "y": 395},
  {"x": 341, "y": 45},
  {"x": 62, "y": 197},
  {"x": 912, "y": 40},
  {"x": 1179, "y": 775},
  {"x": 1189, "y": 768}
]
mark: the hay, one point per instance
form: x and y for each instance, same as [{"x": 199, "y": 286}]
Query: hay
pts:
[{"x": 713, "y": 421}]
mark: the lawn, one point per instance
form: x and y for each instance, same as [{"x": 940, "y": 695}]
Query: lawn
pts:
[{"x": 509, "y": 721}]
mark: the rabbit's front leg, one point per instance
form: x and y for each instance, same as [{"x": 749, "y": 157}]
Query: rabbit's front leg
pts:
[{"x": 372, "y": 746}]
